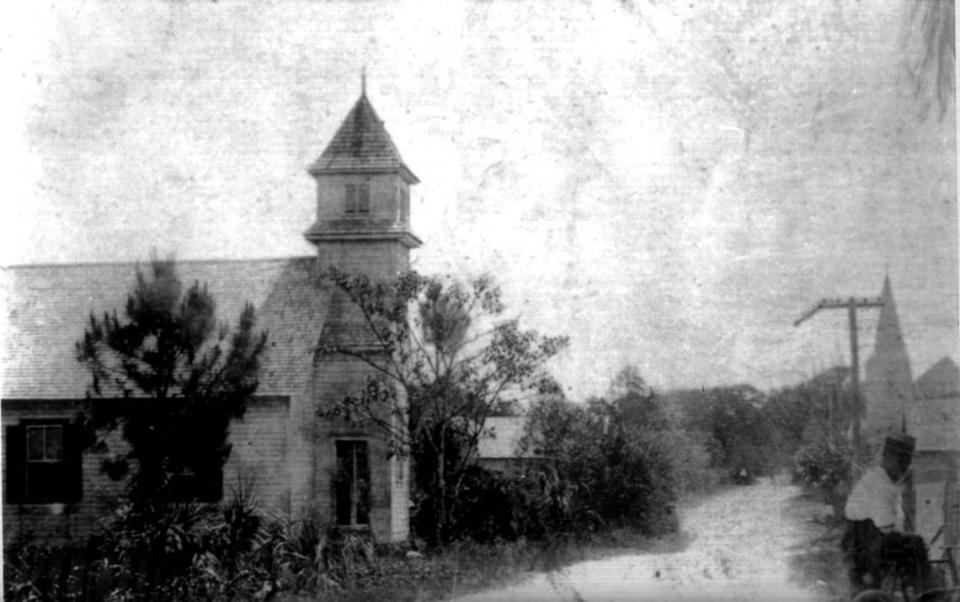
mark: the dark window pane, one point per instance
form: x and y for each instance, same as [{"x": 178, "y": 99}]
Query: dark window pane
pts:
[
  {"x": 343, "y": 482},
  {"x": 53, "y": 448},
  {"x": 34, "y": 443}
]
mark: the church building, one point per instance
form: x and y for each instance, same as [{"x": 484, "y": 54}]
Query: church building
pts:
[
  {"x": 928, "y": 409},
  {"x": 295, "y": 463}
]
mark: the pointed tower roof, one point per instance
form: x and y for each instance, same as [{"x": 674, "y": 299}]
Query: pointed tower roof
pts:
[
  {"x": 362, "y": 144},
  {"x": 889, "y": 339},
  {"x": 888, "y": 385}
]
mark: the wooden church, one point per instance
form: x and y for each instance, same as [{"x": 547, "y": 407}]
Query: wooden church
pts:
[{"x": 295, "y": 463}]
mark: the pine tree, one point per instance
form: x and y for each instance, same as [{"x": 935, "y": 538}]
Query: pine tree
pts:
[{"x": 170, "y": 378}]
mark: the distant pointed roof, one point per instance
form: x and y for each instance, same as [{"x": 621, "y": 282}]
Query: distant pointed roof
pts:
[
  {"x": 362, "y": 144},
  {"x": 888, "y": 382},
  {"x": 889, "y": 339}
]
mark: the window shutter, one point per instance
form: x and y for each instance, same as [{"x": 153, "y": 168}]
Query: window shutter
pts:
[
  {"x": 16, "y": 457},
  {"x": 363, "y": 200},
  {"x": 350, "y": 205},
  {"x": 363, "y": 483},
  {"x": 73, "y": 463}
]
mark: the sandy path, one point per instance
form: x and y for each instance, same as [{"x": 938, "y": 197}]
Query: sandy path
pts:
[{"x": 738, "y": 549}]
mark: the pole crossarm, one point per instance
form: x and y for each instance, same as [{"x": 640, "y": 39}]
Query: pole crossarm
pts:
[{"x": 839, "y": 303}]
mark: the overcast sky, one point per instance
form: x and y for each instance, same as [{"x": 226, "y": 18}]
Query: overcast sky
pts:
[{"x": 671, "y": 184}]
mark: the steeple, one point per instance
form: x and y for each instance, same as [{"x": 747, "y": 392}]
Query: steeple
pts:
[
  {"x": 889, "y": 336},
  {"x": 363, "y": 197},
  {"x": 888, "y": 382},
  {"x": 362, "y": 144}
]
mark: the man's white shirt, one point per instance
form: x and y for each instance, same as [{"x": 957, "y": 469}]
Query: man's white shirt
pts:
[{"x": 876, "y": 497}]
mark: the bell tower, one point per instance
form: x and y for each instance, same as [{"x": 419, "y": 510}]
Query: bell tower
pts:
[{"x": 363, "y": 199}]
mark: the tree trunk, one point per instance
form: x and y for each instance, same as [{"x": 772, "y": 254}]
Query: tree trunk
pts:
[{"x": 442, "y": 487}]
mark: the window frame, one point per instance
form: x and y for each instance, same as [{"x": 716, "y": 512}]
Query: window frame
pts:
[
  {"x": 42, "y": 482},
  {"x": 43, "y": 428}
]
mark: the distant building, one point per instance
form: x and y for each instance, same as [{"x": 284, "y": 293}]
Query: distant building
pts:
[
  {"x": 928, "y": 409},
  {"x": 298, "y": 464},
  {"x": 934, "y": 419},
  {"x": 499, "y": 449}
]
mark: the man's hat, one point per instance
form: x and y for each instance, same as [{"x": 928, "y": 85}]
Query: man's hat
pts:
[{"x": 900, "y": 444}]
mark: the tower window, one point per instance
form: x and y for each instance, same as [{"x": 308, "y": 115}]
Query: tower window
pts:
[
  {"x": 357, "y": 198},
  {"x": 404, "y": 205}
]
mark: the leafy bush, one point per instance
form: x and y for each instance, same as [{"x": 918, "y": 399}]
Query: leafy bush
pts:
[
  {"x": 532, "y": 505},
  {"x": 825, "y": 466},
  {"x": 612, "y": 471},
  {"x": 689, "y": 457}
]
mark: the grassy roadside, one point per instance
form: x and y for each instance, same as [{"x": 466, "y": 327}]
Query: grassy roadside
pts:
[{"x": 467, "y": 567}]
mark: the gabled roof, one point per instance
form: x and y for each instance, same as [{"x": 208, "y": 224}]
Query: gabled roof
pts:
[
  {"x": 49, "y": 306},
  {"x": 362, "y": 144},
  {"x": 941, "y": 380}
]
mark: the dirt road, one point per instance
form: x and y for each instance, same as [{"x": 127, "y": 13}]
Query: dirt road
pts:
[{"x": 734, "y": 545}]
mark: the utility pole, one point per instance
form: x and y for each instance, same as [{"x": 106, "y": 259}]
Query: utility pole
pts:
[{"x": 851, "y": 304}]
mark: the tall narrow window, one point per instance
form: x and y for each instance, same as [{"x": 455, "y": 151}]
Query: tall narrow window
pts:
[
  {"x": 350, "y": 199},
  {"x": 352, "y": 484}
]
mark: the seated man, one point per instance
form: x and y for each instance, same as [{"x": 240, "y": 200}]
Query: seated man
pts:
[{"x": 873, "y": 543}]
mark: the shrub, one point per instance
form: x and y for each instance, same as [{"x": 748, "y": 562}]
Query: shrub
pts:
[
  {"x": 612, "y": 471},
  {"x": 825, "y": 466},
  {"x": 191, "y": 552},
  {"x": 531, "y": 505}
]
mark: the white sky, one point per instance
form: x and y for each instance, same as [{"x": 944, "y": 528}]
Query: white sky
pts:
[{"x": 670, "y": 184}]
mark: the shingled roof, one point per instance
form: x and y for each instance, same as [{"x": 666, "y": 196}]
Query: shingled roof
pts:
[
  {"x": 362, "y": 144},
  {"x": 48, "y": 307},
  {"x": 941, "y": 380}
]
